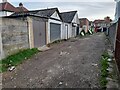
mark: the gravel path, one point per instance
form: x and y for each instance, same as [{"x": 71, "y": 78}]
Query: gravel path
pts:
[{"x": 70, "y": 64}]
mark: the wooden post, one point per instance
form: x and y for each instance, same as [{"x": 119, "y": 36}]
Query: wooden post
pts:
[
  {"x": 1, "y": 46},
  {"x": 31, "y": 36}
]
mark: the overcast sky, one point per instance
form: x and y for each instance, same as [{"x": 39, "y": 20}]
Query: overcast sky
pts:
[{"x": 91, "y": 9}]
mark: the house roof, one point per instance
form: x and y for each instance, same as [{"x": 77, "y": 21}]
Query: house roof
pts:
[
  {"x": 99, "y": 21},
  {"x": 43, "y": 13},
  {"x": 21, "y": 8},
  {"x": 6, "y": 6},
  {"x": 83, "y": 19},
  {"x": 68, "y": 16}
]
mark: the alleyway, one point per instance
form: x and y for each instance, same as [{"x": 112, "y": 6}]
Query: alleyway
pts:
[{"x": 70, "y": 64}]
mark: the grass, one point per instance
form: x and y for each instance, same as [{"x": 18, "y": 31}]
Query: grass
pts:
[
  {"x": 104, "y": 72},
  {"x": 16, "y": 59}
]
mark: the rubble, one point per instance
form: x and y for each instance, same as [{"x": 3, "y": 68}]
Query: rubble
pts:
[
  {"x": 11, "y": 68},
  {"x": 64, "y": 53}
]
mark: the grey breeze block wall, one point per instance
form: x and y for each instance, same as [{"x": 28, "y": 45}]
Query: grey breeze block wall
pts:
[{"x": 15, "y": 36}]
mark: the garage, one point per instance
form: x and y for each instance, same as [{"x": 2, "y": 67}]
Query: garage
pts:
[{"x": 55, "y": 32}]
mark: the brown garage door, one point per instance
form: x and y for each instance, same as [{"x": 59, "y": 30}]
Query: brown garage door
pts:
[{"x": 39, "y": 33}]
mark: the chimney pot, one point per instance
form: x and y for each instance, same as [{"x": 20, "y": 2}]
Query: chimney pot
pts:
[{"x": 20, "y": 5}]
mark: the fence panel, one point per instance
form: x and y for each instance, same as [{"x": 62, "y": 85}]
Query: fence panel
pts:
[
  {"x": 117, "y": 49},
  {"x": 112, "y": 34},
  {"x": 1, "y": 49}
]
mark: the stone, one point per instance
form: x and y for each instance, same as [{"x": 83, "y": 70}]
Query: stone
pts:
[
  {"x": 93, "y": 64},
  {"x": 110, "y": 69},
  {"x": 60, "y": 83},
  {"x": 109, "y": 60}
]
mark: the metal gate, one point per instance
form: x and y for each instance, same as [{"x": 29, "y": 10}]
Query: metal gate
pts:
[
  {"x": 117, "y": 48},
  {"x": 55, "y": 32},
  {"x": 39, "y": 33}
]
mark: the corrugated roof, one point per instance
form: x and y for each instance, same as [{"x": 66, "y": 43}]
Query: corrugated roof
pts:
[{"x": 68, "y": 16}]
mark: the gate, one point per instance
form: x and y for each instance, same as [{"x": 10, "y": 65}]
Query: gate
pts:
[{"x": 117, "y": 48}]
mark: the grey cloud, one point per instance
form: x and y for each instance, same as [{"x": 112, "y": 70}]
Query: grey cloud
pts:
[{"x": 85, "y": 9}]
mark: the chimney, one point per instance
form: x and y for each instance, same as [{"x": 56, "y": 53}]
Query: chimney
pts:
[
  {"x": 4, "y": 1},
  {"x": 20, "y": 5}
]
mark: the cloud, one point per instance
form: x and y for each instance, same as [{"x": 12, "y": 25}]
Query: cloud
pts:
[
  {"x": 60, "y": 0},
  {"x": 91, "y": 10}
]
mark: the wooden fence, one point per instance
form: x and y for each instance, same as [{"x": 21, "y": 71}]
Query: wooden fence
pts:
[{"x": 117, "y": 47}]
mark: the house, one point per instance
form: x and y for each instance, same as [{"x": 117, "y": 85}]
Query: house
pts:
[
  {"x": 44, "y": 26},
  {"x": 7, "y": 9},
  {"x": 70, "y": 25},
  {"x": 101, "y": 25},
  {"x": 84, "y": 24}
]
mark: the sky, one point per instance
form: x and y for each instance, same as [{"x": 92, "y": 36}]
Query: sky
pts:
[{"x": 91, "y": 9}]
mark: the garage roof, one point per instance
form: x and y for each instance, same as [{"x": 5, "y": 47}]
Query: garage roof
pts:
[{"x": 68, "y": 16}]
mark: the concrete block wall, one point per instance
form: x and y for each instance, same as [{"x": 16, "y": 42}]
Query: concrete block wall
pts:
[{"x": 14, "y": 36}]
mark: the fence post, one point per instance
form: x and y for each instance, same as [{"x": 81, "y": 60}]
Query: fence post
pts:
[
  {"x": 1, "y": 45},
  {"x": 1, "y": 48}
]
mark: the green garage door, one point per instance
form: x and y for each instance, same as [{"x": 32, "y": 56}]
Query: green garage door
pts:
[{"x": 55, "y": 32}]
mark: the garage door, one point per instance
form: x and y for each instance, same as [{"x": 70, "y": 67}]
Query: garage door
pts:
[
  {"x": 73, "y": 31},
  {"x": 39, "y": 33},
  {"x": 55, "y": 32}
]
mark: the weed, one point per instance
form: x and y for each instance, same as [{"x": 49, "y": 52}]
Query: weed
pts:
[
  {"x": 16, "y": 59},
  {"x": 104, "y": 72}
]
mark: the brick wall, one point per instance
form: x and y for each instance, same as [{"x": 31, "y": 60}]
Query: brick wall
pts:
[{"x": 14, "y": 35}]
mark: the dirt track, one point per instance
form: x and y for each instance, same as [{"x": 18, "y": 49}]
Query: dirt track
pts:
[{"x": 70, "y": 64}]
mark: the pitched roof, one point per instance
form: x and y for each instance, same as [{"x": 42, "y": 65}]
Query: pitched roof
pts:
[
  {"x": 43, "y": 12},
  {"x": 68, "y": 16},
  {"x": 82, "y": 18},
  {"x": 99, "y": 21},
  {"x": 6, "y": 6},
  {"x": 21, "y": 8}
]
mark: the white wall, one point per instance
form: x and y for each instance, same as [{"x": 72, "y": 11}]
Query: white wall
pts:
[
  {"x": 5, "y": 13},
  {"x": 76, "y": 19},
  {"x": 64, "y": 32},
  {"x": 117, "y": 13},
  {"x": 55, "y": 15},
  {"x": 48, "y": 32}
]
